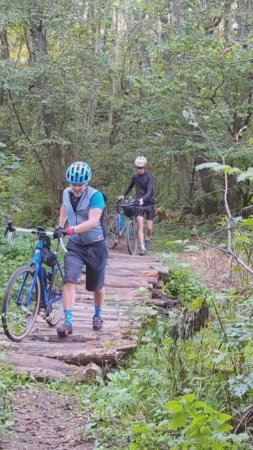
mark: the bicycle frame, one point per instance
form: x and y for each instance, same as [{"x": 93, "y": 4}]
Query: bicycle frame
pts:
[
  {"x": 39, "y": 271},
  {"x": 115, "y": 231},
  {"x": 122, "y": 230}
]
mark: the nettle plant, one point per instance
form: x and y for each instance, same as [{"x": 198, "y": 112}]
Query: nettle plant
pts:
[
  {"x": 191, "y": 424},
  {"x": 201, "y": 427}
]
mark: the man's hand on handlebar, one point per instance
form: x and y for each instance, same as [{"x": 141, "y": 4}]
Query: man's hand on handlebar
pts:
[{"x": 60, "y": 232}]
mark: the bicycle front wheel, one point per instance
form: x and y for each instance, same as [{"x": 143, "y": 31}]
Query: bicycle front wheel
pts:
[
  {"x": 131, "y": 234},
  {"x": 54, "y": 310},
  {"x": 112, "y": 231},
  {"x": 21, "y": 303}
]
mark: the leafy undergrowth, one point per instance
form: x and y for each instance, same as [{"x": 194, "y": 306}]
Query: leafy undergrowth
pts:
[
  {"x": 178, "y": 394},
  {"x": 6, "y": 384}
]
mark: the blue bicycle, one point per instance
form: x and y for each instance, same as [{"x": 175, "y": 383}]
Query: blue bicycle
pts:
[{"x": 33, "y": 287}]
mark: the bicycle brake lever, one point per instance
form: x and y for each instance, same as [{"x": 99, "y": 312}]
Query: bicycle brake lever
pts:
[{"x": 9, "y": 228}]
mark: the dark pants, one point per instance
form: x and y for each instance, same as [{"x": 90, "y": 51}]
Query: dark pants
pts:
[{"x": 94, "y": 256}]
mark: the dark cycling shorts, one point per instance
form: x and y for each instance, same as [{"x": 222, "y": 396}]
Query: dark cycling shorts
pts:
[
  {"x": 94, "y": 256},
  {"x": 148, "y": 212}
]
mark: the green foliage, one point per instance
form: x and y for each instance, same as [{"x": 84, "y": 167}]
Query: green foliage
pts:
[
  {"x": 181, "y": 284},
  {"x": 202, "y": 427},
  {"x": 177, "y": 395},
  {"x": 6, "y": 384},
  {"x": 106, "y": 96},
  {"x": 12, "y": 257}
]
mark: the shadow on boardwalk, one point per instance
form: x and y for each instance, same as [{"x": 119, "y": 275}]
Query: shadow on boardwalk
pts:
[{"x": 44, "y": 356}]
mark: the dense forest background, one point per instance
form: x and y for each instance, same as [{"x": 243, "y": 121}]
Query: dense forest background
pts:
[{"x": 104, "y": 81}]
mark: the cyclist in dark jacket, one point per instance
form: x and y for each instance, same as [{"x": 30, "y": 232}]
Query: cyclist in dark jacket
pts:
[
  {"x": 143, "y": 182},
  {"x": 83, "y": 208}
]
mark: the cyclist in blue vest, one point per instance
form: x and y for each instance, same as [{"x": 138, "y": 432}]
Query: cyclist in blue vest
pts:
[
  {"x": 143, "y": 182},
  {"x": 83, "y": 208}
]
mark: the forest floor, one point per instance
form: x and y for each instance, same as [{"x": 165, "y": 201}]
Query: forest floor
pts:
[
  {"x": 44, "y": 419},
  {"x": 213, "y": 268}
]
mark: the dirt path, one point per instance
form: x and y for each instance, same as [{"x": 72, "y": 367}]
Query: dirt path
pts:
[
  {"x": 44, "y": 420},
  {"x": 214, "y": 268}
]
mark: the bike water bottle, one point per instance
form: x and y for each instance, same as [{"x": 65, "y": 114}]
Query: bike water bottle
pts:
[{"x": 121, "y": 221}]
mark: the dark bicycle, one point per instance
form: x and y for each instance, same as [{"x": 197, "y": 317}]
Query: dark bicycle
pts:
[
  {"x": 123, "y": 224},
  {"x": 33, "y": 287}
]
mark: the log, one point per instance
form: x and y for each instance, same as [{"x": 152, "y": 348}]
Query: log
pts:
[
  {"x": 162, "y": 270},
  {"x": 158, "y": 293},
  {"x": 165, "y": 303},
  {"x": 158, "y": 284}
]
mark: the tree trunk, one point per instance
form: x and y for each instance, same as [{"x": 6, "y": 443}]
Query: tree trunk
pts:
[
  {"x": 5, "y": 54},
  {"x": 206, "y": 182},
  {"x": 54, "y": 171},
  {"x": 185, "y": 174}
]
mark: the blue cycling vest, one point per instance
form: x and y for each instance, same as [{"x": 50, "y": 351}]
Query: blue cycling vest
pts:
[{"x": 81, "y": 215}]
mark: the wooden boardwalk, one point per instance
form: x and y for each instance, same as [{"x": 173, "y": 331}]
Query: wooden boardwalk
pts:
[{"x": 43, "y": 355}]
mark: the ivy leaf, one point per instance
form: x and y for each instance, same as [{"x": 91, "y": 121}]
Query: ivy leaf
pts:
[
  {"x": 245, "y": 175},
  {"x": 196, "y": 304},
  {"x": 207, "y": 165},
  {"x": 178, "y": 420},
  {"x": 240, "y": 390},
  {"x": 174, "y": 406}
]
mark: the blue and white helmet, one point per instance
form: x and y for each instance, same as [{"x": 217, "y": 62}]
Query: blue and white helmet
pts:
[{"x": 79, "y": 173}]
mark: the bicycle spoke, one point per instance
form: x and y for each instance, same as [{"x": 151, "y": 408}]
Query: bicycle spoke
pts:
[
  {"x": 54, "y": 309},
  {"x": 112, "y": 227},
  {"x": 21, "y": 303},
  {"x": 132, "y": 237}
]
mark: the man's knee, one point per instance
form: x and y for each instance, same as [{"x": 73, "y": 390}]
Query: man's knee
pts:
[{"x": 100, "y": 290}]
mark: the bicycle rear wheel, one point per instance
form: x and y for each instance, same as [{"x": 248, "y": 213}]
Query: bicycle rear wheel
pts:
[
  {"x": 54, "y": 310},
  {"x": 112, "y": 231},
  {"x": 21, "y": 304},
  {"x": 131, "y": 233}
]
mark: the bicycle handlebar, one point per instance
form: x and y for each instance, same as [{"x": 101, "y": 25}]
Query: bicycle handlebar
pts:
[{"x": 39, "y": 231}]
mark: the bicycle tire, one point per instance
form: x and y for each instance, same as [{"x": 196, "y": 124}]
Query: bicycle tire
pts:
[
  {"x": 112, "y": 231},
  {"x": 18, "y": 319},
  {"x": 54, "y": 311},
  {"x": 131, "y": 234}
]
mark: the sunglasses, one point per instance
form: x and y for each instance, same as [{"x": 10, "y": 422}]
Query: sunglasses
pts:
[{"x": 139, "y": 168}]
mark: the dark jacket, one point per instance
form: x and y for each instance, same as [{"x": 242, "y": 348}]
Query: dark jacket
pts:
[{"x": 144, "y": 186}]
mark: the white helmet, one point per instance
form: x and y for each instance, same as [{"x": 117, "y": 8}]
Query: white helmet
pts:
[{"x": 140, "y": 161}]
